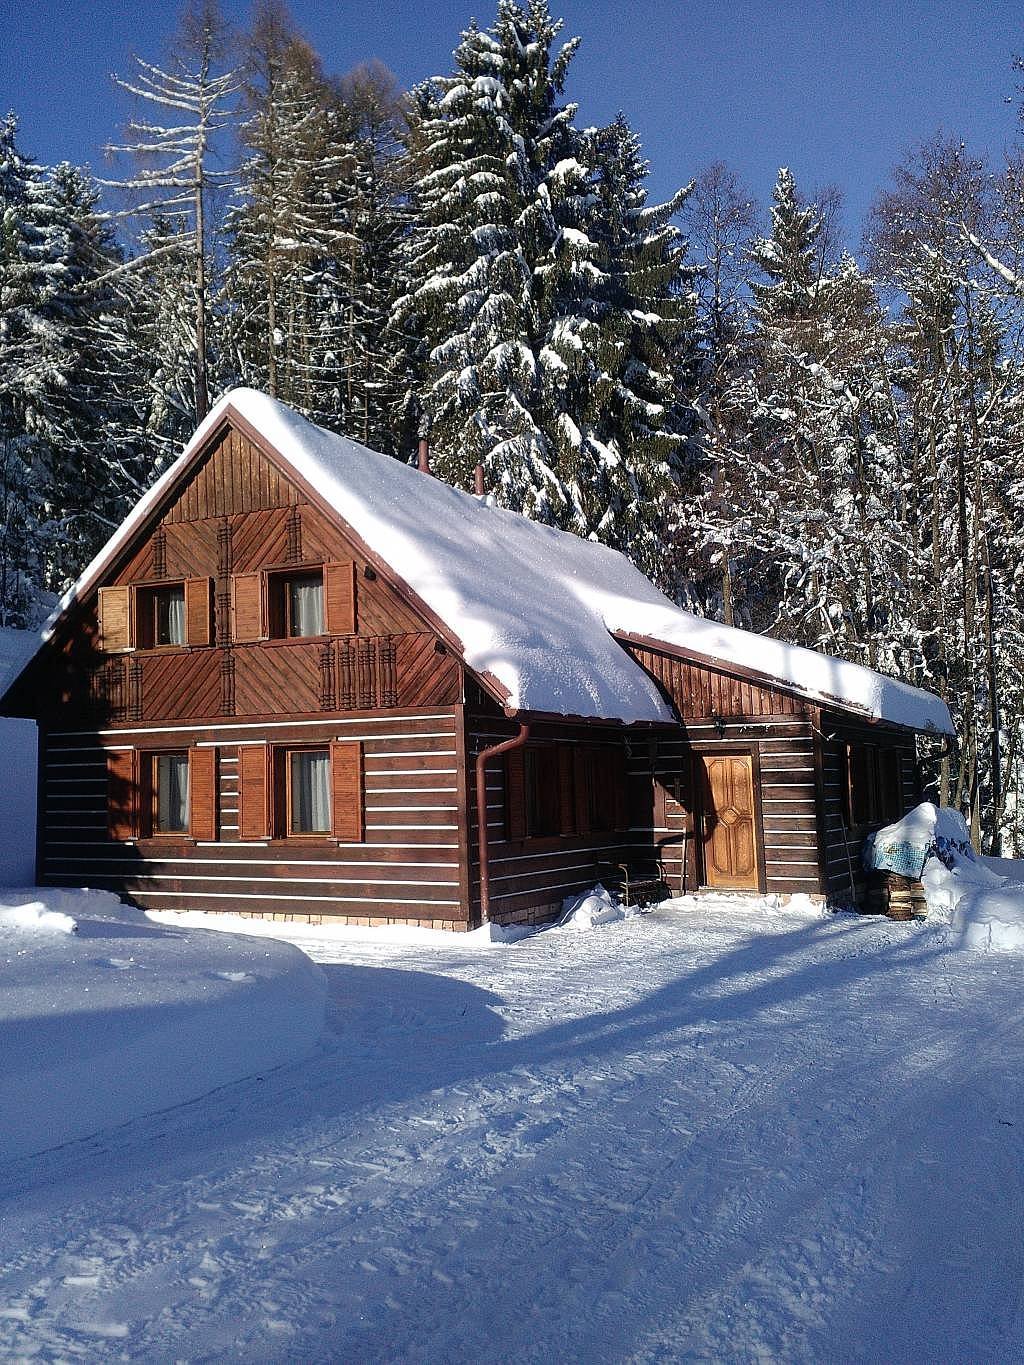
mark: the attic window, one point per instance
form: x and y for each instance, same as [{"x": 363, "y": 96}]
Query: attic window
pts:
[
  {"x": 296, "y": 605},
  {"x": 161, "y": 616}
]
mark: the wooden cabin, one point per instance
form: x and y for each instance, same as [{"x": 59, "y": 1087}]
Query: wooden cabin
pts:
[{"x": 301, "y": 672}]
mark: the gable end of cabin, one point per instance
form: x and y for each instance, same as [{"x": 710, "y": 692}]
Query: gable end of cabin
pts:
[{"x": 247, "y": 712}]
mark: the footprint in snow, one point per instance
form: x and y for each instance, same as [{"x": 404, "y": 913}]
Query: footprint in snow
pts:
[{"x": 233, "y": 976}]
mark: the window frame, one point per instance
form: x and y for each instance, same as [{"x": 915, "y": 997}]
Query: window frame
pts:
[
  {"x": 281, "y": 796},
  {"x": 277, "y": 596},
  {"x": 146, "y": 618},
  {"x": 151, "y": 807}
]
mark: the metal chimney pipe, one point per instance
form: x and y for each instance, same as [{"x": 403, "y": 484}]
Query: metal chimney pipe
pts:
[
  {"x": 478, "y": 481},
  {"x": 423, "y": 455}
]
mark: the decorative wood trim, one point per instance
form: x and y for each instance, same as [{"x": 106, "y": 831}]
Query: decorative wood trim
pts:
[
  {"x": 160, "y": 553},
  {"x": 294, "y": 533},
  {"x": 227, "y": 683}
]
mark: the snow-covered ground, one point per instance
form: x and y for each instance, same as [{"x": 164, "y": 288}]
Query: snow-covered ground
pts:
[
  {"x": 705, "y": 1133},
  {"x": 105, "y": 1016}
]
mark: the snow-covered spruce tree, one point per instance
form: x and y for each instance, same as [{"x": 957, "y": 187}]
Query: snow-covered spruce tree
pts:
[
  {"x": 618, "y": 312},
  {"x": 175, "y": 174},
  {"x": 526, "y": 292},
  {"x": 34, "y": 360},
  {"x": 483, "y": 143}
]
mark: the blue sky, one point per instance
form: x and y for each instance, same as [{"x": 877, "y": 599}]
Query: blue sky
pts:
[{"x": 836, "y": 91}]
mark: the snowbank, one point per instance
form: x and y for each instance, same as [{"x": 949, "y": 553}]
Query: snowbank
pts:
[
  {"x": 390, "y": 935},
  {"x": 18, "y": 744},
  {"x": 596, "y": 906},
  {"x": 105, "y": 1016},
  {"x": 981, "y": 900},
  {"x": 512, "y": 591}
]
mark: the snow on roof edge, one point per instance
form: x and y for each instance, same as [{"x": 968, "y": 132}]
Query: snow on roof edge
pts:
[{"x": 520, "y": 646}]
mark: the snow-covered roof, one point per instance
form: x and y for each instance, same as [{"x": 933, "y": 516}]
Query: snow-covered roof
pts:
[{"x": 532, "y": 607}]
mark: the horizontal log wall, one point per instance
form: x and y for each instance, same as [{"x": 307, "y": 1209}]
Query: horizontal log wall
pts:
[
  {"x": 784, "y": 749},
  {"x": 845, "y": 876},
  {"x": 529, "y": 878},
  {"x": 407, "y": 869}
]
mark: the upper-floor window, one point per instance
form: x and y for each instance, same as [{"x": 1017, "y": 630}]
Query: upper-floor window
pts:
[
  {"x": 296, "y": 604},
  {"x": 161, "y": 616}
]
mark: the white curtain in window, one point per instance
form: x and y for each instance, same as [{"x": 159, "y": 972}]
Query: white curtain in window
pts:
[
  {"x": 307, "y": 606},
  {"x": 311, "y": 794},
  {"x": 176, "y": 618},
  {"x": 172, "y": 792}
]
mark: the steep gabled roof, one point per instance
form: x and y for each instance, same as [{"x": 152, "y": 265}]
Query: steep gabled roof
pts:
[{"x": 532, "y": 607}]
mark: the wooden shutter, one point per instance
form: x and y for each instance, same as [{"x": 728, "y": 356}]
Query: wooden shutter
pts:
[
  {"x": 581, "y": 789},
  {"x": 197, "y": 611},
  {"x": 566, "y": 790},
  {"x": 115, "y": 618},
  {"x": 253, "y": 792},
  {"x": 347, "y": 791},
  {"x": 340, "y": 598},
  {"x": 246, "y": 607},
  {"x": 202, "y": 793},
  {"x": 123, "y": 794},
  {"x": 515, "y": 793}
]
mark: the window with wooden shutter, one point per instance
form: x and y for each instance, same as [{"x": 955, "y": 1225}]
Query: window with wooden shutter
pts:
[
  {"x": 253, "y": 792},
  {"x": 340, "y": 598},
  {"x": 347, "y": 790},
  {"x": 198, "y": 598},
  {"x": 115, "y": 611},
  {"x": 202, "y": 786},
  {"x": 246, "y": 607},
  {"x": 122, "y": 794}
]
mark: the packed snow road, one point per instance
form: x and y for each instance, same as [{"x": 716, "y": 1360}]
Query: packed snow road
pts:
[{"x": 703, "y": 1134}]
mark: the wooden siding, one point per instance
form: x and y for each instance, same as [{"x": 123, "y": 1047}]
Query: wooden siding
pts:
[
  {"x": 699, "y": 690},
  {"x": 846, "y": 881},
  {"x": 407, "y": 865},
  {"x": 530, "y": 876},
  {"x": 236, "y": 517}
]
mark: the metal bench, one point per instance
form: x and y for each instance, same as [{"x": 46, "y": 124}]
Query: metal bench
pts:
[{"x": 640, "y": 883}]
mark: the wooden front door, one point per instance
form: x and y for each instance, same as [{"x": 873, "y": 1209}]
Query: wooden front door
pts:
[{"x": 729, "y": 818}]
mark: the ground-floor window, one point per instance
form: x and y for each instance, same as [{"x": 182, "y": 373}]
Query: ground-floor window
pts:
[
  {"x": 170, "y": 793},
  {"x": 307, "y": 776}
]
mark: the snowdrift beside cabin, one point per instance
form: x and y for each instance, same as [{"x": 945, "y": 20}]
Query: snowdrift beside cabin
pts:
[
  {"x": 533, "y": 607},
  {"x": 105, "y": 1015},
  {"x": 982, "y": 908},
  {"x": 20, "y": 747}
]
